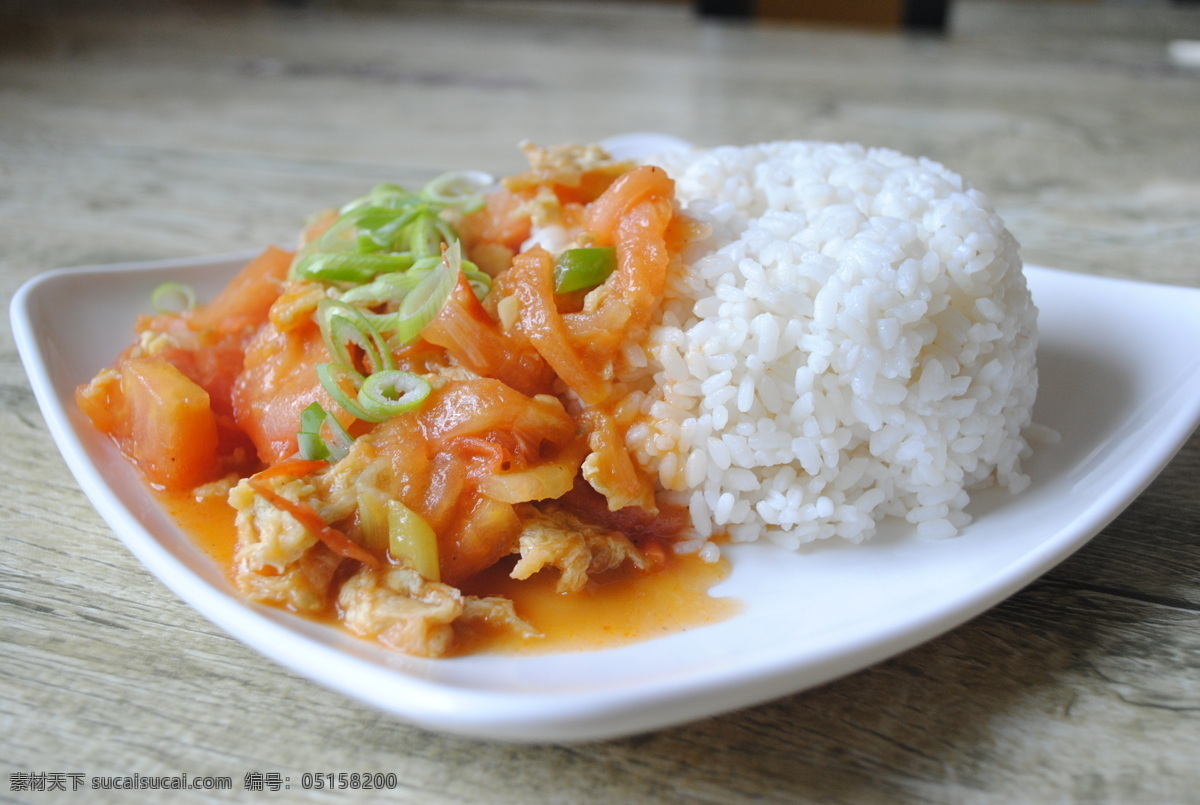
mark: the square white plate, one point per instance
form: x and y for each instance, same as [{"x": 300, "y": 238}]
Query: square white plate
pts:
[{"x": 1120, "y": 381}]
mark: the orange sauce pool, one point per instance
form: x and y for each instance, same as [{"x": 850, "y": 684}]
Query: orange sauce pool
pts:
[
  {"x": 207, "y": 520},
  {"x": 618, "y": 608}
]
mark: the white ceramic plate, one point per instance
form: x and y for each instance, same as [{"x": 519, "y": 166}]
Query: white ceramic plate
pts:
[{"x": 1120, "y": 382}]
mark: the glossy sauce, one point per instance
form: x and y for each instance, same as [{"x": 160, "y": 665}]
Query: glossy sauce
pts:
[
  {"x": 617, "y": 608},
  {"x": 208, "y": 520}
]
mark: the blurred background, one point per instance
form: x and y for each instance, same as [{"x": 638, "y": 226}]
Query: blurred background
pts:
[{"x": 1080, "y": 118}]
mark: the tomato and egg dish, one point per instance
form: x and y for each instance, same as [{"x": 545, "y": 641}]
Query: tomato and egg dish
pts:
[{"x": 423, "y": 395}]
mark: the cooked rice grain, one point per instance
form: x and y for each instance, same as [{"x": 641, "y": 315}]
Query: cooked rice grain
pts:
[{"x": 855, "y": 340}]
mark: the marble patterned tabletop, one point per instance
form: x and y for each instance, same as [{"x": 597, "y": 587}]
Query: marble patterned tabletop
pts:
[{"x": 184, "y": 129}]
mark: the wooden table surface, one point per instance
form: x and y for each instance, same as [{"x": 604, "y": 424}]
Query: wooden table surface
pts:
[{"x": 192, "y": 130}]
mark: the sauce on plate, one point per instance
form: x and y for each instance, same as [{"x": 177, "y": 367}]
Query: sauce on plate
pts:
[{"x": 617, "y": 608}]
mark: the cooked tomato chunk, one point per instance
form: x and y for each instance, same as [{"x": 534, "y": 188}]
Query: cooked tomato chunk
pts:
[{"x": 161, "y": 419}]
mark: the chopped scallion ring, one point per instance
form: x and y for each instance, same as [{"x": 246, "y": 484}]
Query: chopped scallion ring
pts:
[
  {"x": 423, "y": 236},
  {"x": 345, "y": 267},
  {"x": 464, "y": 189},
  {"x": 480, "y": 283},
  {"x": 313, "y": 444},
  {"x": 377, "y": 397},
  {"x": 173, "y": 297},
  {"x": 383, "y": 227},
  {"x": 385, "y": 394},
  {"x": 577, "y": 269},
  {"x": 382, "y": 195},
  {"x": 343, "y": 324},
  {"x": 391, "y": 287},
  {"x": 335, "y": 378},
  {"x": 391, "y": 230},
  {"x": 425, "y": 301},
  {"x": 446, "y": 233}
]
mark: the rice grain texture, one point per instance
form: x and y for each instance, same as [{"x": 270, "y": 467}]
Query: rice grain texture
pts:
[{"x": 854, "y": 340}]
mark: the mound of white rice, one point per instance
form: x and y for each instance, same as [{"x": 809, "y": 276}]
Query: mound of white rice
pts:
[{"x": 854, "y": 341}]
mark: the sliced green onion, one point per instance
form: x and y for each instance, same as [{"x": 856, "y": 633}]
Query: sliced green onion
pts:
[
  {"x": 382, "y": 195},
  {"x": 463, "y": 189},
  {"x": 577, "y": 269},
  {"x": 311, "y": 446},
  {"x": 387, "y": 394},
  {"x": 314, "y": 446},
  {"x": 423, "y": 236},
  {"x": 412, "y": 540},
  {"x": 377, "y": 216},
  {"x": 377, "y": 397},
  {"x": 428, "y": 263},
  {"x": 343, "y": 267},
  {"x": 383, "y": 228},
  {"x": 344, "y": 324},
  {"x": 384, "y": 288},
  {"x": 424, "y": 302},
  {"x": 312, "y": 417},
  {"x": 481, "y": 283},
  {"x": 334, "y": 378},
  {"x": 173, "y": 297},
  {"x": 390, "y": 229},
  {"x": 339, "y": 238},
  {"x": 446, "y": 233}
]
